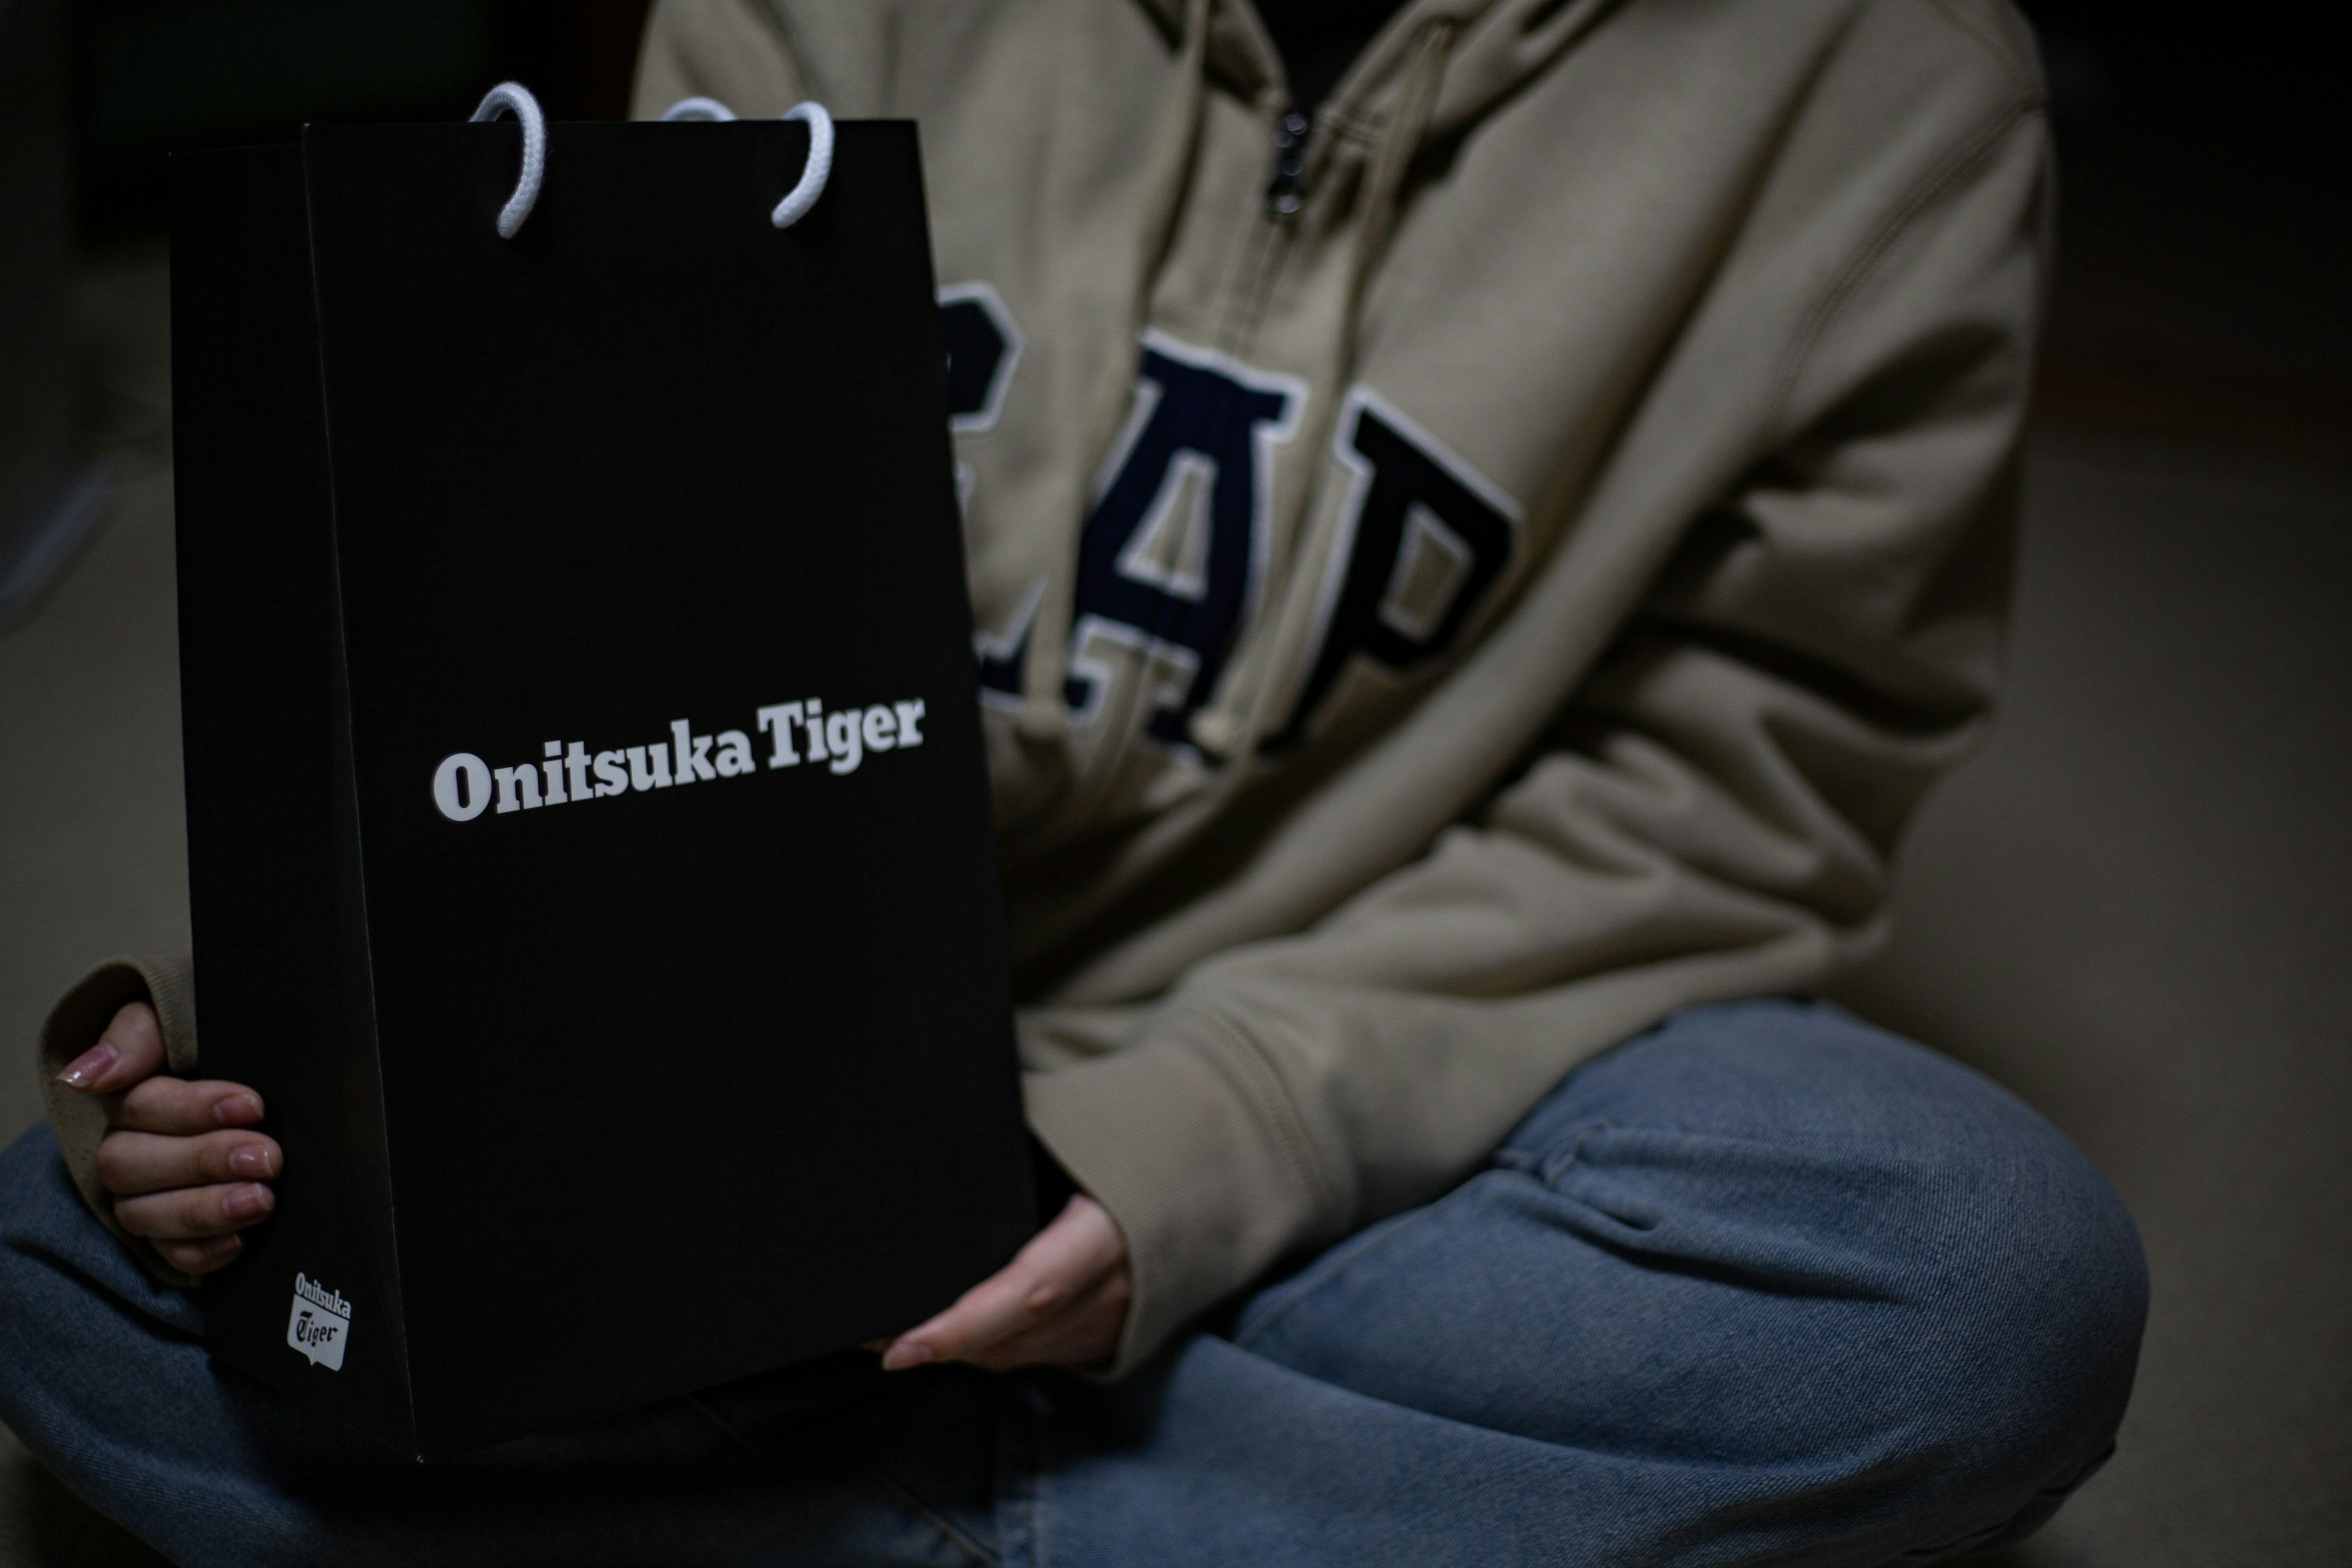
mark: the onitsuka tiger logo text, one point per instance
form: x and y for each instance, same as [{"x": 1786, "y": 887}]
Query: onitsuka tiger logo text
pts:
[
  {"x": 321, "y": 1324},
  {"x": 841, "y": 739}
]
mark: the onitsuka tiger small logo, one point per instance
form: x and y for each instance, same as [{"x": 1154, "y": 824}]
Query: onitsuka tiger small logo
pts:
[
  {"x": 320, "y": 1325},
  {"x": 841, "y": 739}
]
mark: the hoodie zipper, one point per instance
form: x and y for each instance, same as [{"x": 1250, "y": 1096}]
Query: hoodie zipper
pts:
[
  {"x": 1211, "y": 726},
  {"x": 1282, "y": 186}
]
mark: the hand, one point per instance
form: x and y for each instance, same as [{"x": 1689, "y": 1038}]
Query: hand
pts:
[
  {"x": 182, "y": 1173},
  {"x": 1062, "y": 1302}
]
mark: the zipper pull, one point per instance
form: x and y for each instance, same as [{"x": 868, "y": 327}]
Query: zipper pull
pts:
[{"x": 1281, "y": 196}]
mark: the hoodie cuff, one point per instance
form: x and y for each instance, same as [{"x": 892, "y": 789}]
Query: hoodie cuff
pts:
[
  {"x": 79, "y": 1120},
  {"x": 1190, "y": 1143}
]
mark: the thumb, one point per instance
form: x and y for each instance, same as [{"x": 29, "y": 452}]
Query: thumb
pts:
[
  {"x": 1055, "y": 1268},
  {"x": 131, "y": 1051}
]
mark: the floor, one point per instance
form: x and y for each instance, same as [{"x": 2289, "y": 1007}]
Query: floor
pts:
[{"x": 2131, "y": 909}]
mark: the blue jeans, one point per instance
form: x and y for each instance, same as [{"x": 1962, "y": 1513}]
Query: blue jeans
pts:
[{"x": 1762, "y": 1286}]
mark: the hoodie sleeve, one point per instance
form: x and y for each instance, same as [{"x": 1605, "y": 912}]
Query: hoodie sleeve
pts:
[
  {"x": 1711, "y": 817},
  {"x": 74, "y": 1026}
]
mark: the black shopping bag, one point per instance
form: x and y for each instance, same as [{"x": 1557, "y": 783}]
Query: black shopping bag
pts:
[{"x": 590, "y": 849}]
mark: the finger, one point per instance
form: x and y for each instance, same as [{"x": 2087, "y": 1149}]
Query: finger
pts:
[
  {"x": 1055, "y": 1264},
  {"x": 193, "y": 1213},
  {"x": 1082, "y": 1333},
  {"x": 131, "y": 1163},
  {"x": 982, "y": 1315},
  {"x": 201, "y": 1256},
  {"x": 1058, "y": 1264},
  {"x": 1076, "y": 1251},
  {"x": 131, "y": 1048},
  {"x": 1091, "y": 1343},
  {"x": 168, "y": 1104}
]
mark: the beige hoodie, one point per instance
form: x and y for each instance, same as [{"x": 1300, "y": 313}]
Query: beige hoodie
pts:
[{"x": 1443, "y": 612}]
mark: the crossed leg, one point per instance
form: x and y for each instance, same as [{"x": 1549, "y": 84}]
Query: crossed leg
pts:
[{"x": 1765, "y": 1285}]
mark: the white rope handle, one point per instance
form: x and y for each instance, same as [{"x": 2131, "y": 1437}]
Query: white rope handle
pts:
[
  {"x": 814, "y": 175},
  {"x": 512, "y": 97},
  {"x": 790, "y": 210},
  {"x": 697, "y": 109}
]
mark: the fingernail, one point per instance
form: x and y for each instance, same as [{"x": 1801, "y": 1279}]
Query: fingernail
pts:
[
  {"x": 904, "y": 1354},
  {"x": 237, "y": 1109},
  {"x": 248, "y": 1201},
  {"x": 1042, "y": 1297},
  {"x": 222, "y": 1246},
  {"x": 252, "y": 1161},
  {"x": 90, "y": 1065}
]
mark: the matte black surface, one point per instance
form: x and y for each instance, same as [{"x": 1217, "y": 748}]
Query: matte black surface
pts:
[
  {"x": 674, "y": 1086},
  {"x": 255, "y": 621}
]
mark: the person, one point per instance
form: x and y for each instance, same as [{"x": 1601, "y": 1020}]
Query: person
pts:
[{"x": 1484, "y": 517}]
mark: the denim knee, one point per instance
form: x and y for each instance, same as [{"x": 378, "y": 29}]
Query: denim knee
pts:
[
  {"x": 1993, "y": 1284},
  {"x": 2045, "y": 1321},
  {"x": 2029, "y": 1288}
]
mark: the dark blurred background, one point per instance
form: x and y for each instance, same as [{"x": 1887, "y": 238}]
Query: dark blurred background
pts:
[
  {"x": 2204, "y": 236},
  {"x": 2134, "y": 909},
  {"x": 153, "y": 75}
]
